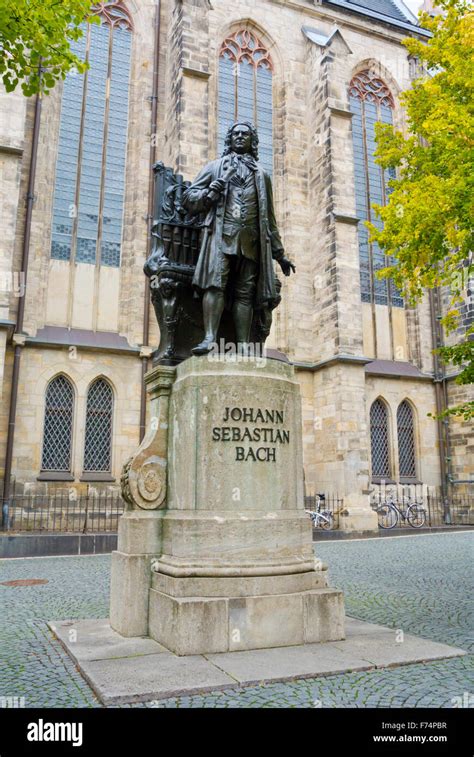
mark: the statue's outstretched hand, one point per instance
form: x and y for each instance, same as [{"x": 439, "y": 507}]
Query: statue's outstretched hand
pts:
[
  {"x": 218, "y": 185},
  {"x": 215, "y": 190},
  {"x": 287, "y": 266}
]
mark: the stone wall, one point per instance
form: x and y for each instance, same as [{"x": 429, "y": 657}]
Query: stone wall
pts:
[
  {"x": 461, "y": 437},
  {"x": 39, "y": 366},
  {"x": 321, "y": 324}
]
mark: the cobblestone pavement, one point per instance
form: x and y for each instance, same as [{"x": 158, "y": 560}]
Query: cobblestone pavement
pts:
[{"x": 418, "y": 584}]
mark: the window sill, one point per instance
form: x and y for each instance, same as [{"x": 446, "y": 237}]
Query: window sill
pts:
[
  {"x": 97, "y": 477},
  {"x": 411, "y": 480},
  {"x": 55, "y": 476},
  {"x": 378, "y": 480}
]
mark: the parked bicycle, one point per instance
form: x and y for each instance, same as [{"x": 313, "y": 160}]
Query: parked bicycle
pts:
[
  {"x": 321, "y": 518},
  {"x": 390, "y": 513}
]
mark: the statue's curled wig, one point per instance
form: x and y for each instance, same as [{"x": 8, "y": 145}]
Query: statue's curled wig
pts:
[{"x": 253, "y": 131}]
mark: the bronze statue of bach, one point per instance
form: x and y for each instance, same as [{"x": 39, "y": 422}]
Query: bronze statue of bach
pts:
[{"x": 240, "y": 237}]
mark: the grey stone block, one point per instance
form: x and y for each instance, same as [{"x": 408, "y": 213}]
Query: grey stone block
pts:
[
  {"x": 188, "y": 626},
  {"x": 323, "y": 615},
  {"x": 129, "y": 587},
  {"x": 241, "y": 586},
  {"x": 260, "y": 622},
  {"x": 139, "y": 533}
]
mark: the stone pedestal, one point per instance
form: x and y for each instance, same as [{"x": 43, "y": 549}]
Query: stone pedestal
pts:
[
  {"x": 203, "y": 616},
  {"x": 358, "y": 515},
  {"x": 144, "y": 488},
  {"x": 236, "y": 568},
  {"x": 139, "y": 541}
]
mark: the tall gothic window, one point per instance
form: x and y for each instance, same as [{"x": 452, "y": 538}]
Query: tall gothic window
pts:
[
  {"x": 245, "y": 89},
  {"x": 371, "y": 101},
  {"x": 379, "y": 440},
  {"x": 90, "y": 171},
  {"x": 98, "y": 436},
  {"x": 57, "y": 434},
  {"x": 406, "y": 441}
]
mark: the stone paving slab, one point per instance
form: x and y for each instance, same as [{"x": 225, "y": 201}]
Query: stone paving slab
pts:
[
  {"x": 95, "y": 640},
  {"x": 258, "y": 666},
  {"x": 367, "y": 646},
  {"x": 380, "y": 646},
  {"x": 140, "y": 679},
  {"x": 136, "y": 670}
]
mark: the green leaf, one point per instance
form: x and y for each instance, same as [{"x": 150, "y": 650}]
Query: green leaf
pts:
[{"x": 33, "y": 30}]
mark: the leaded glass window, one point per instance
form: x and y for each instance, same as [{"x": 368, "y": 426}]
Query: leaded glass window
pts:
[
  {"x": 57, "y": 434},
  {"x": 245, "y": 90},
  {"x": 90, "y": 172},
  {"x": 379, "y": 440},
  {"x": 98, "y": 436},
  {"x": 371, "y": 102},
  {"x": 406, "y": 440}
]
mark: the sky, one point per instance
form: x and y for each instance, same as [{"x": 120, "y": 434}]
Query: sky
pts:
[{"x": 413, "y": 5}]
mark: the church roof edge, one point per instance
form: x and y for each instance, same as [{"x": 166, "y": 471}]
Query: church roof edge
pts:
[{"x": 392, "y": 12}]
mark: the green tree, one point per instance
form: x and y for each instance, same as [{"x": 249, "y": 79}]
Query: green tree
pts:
[
  {"x": 40, "y": 31},
  {"x": 427, "y": 224}
]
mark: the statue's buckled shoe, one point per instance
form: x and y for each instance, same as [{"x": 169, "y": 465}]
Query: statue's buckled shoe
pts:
[{"x": 204, "y": 347}]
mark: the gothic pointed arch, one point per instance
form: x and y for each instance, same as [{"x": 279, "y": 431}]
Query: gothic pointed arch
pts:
[
  {"x": 58, "y": 423},
  {"x": 114, "y": 13},
  {"x": 245, "y": 88},
  {"x": 371, "y": 101},
  {"x": 406, "y": 440},
  {"x": 98, "y": 427},
  {"x": 380, "y": 440},
  {"x": 89, "y": 190},
  {"x": 367, "y": 86}
]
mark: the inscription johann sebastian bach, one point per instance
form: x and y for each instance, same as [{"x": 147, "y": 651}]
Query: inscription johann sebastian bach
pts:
[{"x": 262, "y": 428}]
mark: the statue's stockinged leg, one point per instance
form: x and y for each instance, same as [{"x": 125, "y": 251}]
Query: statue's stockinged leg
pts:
[
  {"x": 243, "y": 314},
  {"x": 213, "y": 306}
]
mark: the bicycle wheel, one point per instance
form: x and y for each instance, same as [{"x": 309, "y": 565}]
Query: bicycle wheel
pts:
[
  {"x": 388, "y": 517},
  {"x": 416, "y": 516},
  {"x": 328, "y": 524}
]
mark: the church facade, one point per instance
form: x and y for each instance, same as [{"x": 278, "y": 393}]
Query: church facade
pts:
[{"x": 165, "y": 81}]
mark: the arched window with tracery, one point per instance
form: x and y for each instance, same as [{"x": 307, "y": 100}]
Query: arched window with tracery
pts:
[
  {"x": 90, "y": 171},
  {"x": 57, "y": 431},
  {"x": 245, "y": 89},
  {"x": 379, "y": 440},
  {"x": 406, "y": 440},
  {"x": 371, "y": 101},
  {"x": 98, "y": 435}
]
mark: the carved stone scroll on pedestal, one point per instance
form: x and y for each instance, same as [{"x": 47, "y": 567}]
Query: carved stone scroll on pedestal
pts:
[{"x": 144, "y": 476}]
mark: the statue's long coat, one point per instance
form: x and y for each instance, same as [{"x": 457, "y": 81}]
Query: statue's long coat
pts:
[{"x": 209, "y": 265}]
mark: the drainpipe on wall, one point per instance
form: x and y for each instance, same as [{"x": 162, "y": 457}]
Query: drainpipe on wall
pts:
[
  {"x": 441, "y": 403},
  {"x": 18, "y": 338},
  {"x": 146, "y": 308}
]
